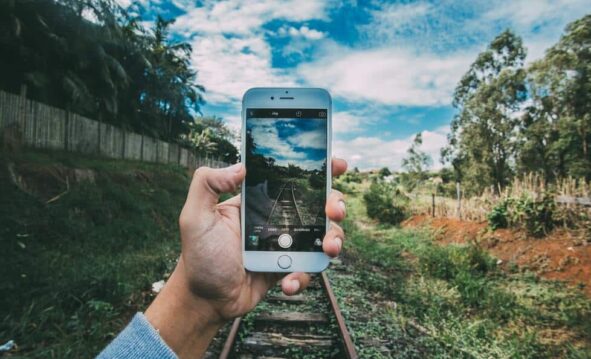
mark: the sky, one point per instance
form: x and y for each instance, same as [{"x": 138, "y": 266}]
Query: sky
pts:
[
  {"x": 297, "y": 141},
  {"x": 391, "y": 67}
]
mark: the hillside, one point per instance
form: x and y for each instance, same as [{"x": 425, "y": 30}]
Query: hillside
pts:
[{"x": 82, "y": 240}]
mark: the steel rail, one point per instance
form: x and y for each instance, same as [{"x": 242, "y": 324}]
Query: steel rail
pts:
[
  {"x": 232, "y": 335},
  {"x": 295, "y": 203},
  {"x": 275, "y": 203},
  {"x": 350, "y": 351},
  {"x": 348, "y": 346}
]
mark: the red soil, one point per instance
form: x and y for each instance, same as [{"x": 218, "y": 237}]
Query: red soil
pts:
[{"x": 558, "y": 256}]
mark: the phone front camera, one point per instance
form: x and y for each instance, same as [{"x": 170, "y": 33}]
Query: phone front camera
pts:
[{"x": 272, "y": 98}]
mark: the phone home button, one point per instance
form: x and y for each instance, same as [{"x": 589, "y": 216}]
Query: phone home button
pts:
[{"x": 284, "y": 262}]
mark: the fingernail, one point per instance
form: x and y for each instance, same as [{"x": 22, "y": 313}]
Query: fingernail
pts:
[
  {"x": 343, "y": 206},
  {"x": 339, "y": 242},
  {"x": 235, "y": 168},
  {"x": 295, "y": 285}
]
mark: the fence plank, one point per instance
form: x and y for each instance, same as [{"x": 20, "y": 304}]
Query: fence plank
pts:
[
  {"x": 583, "y": 201},
  {"x": 43, "y": 126}
]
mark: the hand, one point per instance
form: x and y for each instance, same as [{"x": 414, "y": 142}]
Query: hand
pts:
[{"x": 209, "y": 284}]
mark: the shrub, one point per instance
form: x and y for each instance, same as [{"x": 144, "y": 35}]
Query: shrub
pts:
[
  {"x": 354, "y": 177},
  {"x": 384, "y": 203},
  {"x": 341, "y": 186},
  {"x": 447, "y": 262},
  {"x": 497, "y": 218},
  {"x": 535, "y": 216}
]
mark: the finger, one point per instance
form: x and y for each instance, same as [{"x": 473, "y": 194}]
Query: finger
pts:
[
  {"x": 333, "y": 241},
  {"x": 206, "y": 186},
  {"x": 261, "y": 283},
  {"x": 335, "y": 206},
  {"x": 339, "y": 166},
  {"x": 294, "y": 283},
  {"x": 234, "y": 201}
]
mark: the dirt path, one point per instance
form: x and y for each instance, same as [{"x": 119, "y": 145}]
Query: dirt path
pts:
[{"x": 558, "y": 256}]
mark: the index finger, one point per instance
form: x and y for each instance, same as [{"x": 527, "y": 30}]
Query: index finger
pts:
[{"x": 339, "y": 166}]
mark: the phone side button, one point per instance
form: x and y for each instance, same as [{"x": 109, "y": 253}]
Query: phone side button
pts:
[{"x": 284, "y": 262}]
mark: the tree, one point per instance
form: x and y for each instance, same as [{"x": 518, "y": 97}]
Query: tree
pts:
[
  {"x": 482, "y": 142},
  {"x": 556, "y": 131},
  {"x": 211, "y": 136},
  {"x": 416, "y": 164},
  {"x": 384, "y": 172},
  {"x": 93, "y": 58}
]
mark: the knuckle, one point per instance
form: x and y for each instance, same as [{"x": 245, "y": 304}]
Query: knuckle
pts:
[
  {"x": 183, "y": 219},
  {"x": 337, "y": 192},
  {"x": 201, "y": 172}
]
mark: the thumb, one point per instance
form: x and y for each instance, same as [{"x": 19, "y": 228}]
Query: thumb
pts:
[{"x": 207, "y": 185}]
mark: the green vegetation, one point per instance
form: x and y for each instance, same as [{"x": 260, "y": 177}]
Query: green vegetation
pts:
[
  {"x": 82, "y": 240},
  {"x": 535, "y": 216},
  {"x": 385, "y": 203},
  {"x": 415, "y": 164},
  {"x": 96, "y": 59},
  {"x": 211, "y": 136},
  {"x": 429, "y": 300},
  {"x": 514, "y": 120}
]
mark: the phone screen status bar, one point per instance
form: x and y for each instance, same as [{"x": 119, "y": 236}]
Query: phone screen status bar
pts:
[{"x": 285, "y": 113}]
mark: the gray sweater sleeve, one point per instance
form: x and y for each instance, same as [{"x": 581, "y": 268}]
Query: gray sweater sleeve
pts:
[{"x": 138, "y": 340}]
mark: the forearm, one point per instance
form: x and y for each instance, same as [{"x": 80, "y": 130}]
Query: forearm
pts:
[{"x": 185, "y": 322}]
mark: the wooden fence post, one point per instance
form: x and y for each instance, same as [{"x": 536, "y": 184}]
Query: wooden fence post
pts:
[
  {"x": 66, "y": 129},
  {"x": 142, "y": 149},
  {"x": 123, "y": 139},
  {"x": 459, "y": 196},
  {"x": 432, "y": 204},
  {"x": 98, "y": 145},
  {"x": 23, "y": 106}
]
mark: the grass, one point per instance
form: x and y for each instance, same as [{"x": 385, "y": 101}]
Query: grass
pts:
[
  {"x": 76, "y": 269},
  {"x": 453, "y": 301}
]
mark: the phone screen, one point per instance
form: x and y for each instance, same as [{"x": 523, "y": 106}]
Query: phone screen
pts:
[{"x": 285, "y": 192}]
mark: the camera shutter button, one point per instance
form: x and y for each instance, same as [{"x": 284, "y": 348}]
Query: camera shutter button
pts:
[{"x": 285, "y": 240}]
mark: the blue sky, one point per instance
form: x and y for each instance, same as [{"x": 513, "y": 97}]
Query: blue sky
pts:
[
  {"x": 390, "y": 66},
  {"x": 301, "y": 142}
]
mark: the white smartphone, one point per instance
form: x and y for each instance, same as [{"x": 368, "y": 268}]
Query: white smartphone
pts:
[{"x": 286, "y": 137}]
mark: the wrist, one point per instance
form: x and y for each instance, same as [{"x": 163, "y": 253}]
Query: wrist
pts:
[{"x": 186, "y": 322}]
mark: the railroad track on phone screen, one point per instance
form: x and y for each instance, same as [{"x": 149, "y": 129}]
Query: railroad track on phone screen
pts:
[
  {"x": 285, "y": 210},
  {"x": 308, "y": 324}
]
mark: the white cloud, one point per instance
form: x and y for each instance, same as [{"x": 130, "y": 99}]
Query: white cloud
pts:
[
  {"x": 347, "y": 122},
  {"x": 396, "y": 16},
  {"x": 540, "y": 23},
  {"x": 388, "y": 75},
  {"x": 309, "y": 139},
  {"x": 124, "y": 3},
  {"x": 245, "y": 17},
  {"x": 230, "y": 52},
  {"x": 266, "y": 136},
  {"x": 303, "y": 32},
  {"x": 227, "y": 67},
  {"x": 374, "y": 152},
  {"x": 283, "y": 150},
  {"x": 523, "y": 14}
]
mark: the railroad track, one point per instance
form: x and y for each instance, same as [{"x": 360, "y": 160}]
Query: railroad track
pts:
[
  {"x": 292, "y": 326},
  {"x": 285, "y": 210}
]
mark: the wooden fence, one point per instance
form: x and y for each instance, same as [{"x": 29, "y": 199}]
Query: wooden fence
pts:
[
  {"x": 41, "y": 126},
  {"x": 476, "y": 208}
]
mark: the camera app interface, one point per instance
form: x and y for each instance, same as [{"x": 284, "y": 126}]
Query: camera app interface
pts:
[{"x": 285, "y": 189}]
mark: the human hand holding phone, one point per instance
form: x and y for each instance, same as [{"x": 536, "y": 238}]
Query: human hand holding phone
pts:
[{"x": 210, "y": 285}]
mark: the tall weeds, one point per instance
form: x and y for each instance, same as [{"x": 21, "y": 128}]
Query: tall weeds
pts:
[{"x": 531, "y": 187}]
